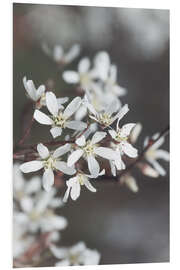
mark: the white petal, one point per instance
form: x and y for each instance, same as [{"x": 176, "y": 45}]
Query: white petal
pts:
[
  {"x": 30, "y": 88},
  {"x": 66, "y": 195},
  {"x": 62, "y": 166},
  {"x": 70, "y": 76},
  {"x": 56, "y": 131},
  {"x": 126, "y": 129},
  {"x": 131, "y": 183},
  {"x": 113, "y": 73},
  {"x": 89, "y": 186},
  {"x": 77, "y": 125},
  {"x": 61, "y": 150},
  {"x": 113, "y": 167},
  {"x": 58, "y": 53},
  {"x": 26, "y": 204},
  {"x": 112, "y": 108},
  {"x": 158, "y": 167},
  {"x": 121, "y": 114},
  {"x": 119, "y": 91},
  {"x": 135, "y": 132},
  {"x": 72, "y": 53},
  {"x": 31, "y": 166},
  {"x": 42, "y": 118},
  {"x": 75, "y": 191},
  {"x": 157, "y": 144},
  {"x": 112, "y": 133},
  {"x": 162, "y": 154},
  {"x": 72, "y": 107},
  {"x": 98, "y": 136},
  {"x": 52, "y": 103},
  {"x": 59, "y": 253},
  {"x": 129, "y": 150},
  {"x": 48, "y": 179},
  {"x": 43, "y": 151},
  {"x": 149, "y": 171},
  {"x": 75, "y": 156},
  {"x": 33, "y": 185},
  {"x": 93, "y": 166},
  {"x": 84, "y": 65},
  {"x": 40, "y": 91},
  {"x": 81, "y": 141},
  {"x": 106, "y": 153},
  {"x": 62, "y": 100}
]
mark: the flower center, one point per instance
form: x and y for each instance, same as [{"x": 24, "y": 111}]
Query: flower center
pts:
[
  {"x": 105, "y": 119},
  {"x": 120, "y": 138},
  {"x": 74, "y": 258},
  {"x": 59, "y": 120},
  {"x": 89, "y": 148},
  {"x": 49, "y": 163}
]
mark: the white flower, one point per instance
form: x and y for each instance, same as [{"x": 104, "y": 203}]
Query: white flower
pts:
[
  {"x": 58, "y": 54},
  {"x": 39, "y": 214},
  {"x": 21, "y": 240},
  {"x": 89, "y": 149},
  {"x": 49, "y": 162},
  {"x": 22, "y": 189},
  {"x": 84, "y": 76},
  {"x": 74, "y": 185},
  {"x": 78, "y": 254},
  {"x": 121, "y": 145},
  {"x": 107, "y": 116},
  {"x": 59, "y": 119},
  {"x": 37, "y": 95},
  {"x": 102, "y": 65},
  {"x": 153, "y": 153}
]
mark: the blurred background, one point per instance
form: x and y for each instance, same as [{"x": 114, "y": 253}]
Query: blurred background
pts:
[{"x": 124, "y": 227}]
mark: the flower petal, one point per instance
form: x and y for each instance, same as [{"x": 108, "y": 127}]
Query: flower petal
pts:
[
  {"x": 84, "y": 65},
  {"x": 158, "y": 167},
  {"x": 93, "y": 166},
  {"x": 30, "y": 88},
  {"x": 112, "y": 133},
  {"x": 135, "y": 132},
  {"x": 72, "y": 107},
  {"x": 88, "y": 185},
  {"x": 71, "y": 76},
  {"x": 40, "y": 91},
  {"x": 48, "y": 179},
  {"x": 31, "y": 166},
  {"x": 61, "y": 150},
  {"x": 43, "y": 151},
  {"x": 56, "y": 131},
  {"x": 126, "y": 129},
  {"x": 129, "y": 150},
  {"x": 77, "y": 125},
  {"x": 121, "y": 114},
  {"x": 72, "y": 53},
  {"x": 75, "y": 156},
  {"x": 52, "y": 103},
  {"x": 98, "y": 136},
  {"x": 62, "y": 166},
  {"x": 75, "y": 190},
  {"x": 42, "y": 118},
  {"x": 162, "y": 154},
  {"x": 81, "y": 141},
  {"x": 106, "y": 153},
  {"x": 58, "y": 53}
]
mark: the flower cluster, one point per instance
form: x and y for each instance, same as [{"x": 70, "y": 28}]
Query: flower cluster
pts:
[{"x": 89, "y": 139}]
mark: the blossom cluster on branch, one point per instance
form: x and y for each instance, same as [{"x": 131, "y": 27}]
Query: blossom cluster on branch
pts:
[{"x": 91, "y": 143}]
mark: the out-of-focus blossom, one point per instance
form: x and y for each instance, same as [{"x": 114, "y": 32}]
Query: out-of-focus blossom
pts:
[
  {"x": 78, "y": 254},
  {"x": 74, "y": 185},
  {"x": 22, "y": 189},
  {"x": 89, "y": 149},
  {"x": 59, "y": 119},
  {"x": 49, "y": 162},
  {"x": 39, "y": 213},
  {"x": 84, "y": 76},
  {"x": 58, "y": 55},
  {"x": 154, "y": 153}
]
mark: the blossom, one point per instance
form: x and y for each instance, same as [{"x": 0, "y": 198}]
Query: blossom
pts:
[
  {"x": 37, "y": 95},
  {"x": 39, "y": 213},
  {"x": 78, "y": 254},
  {"x": 106, "y": 117},
  {"x": 154, "y": 153},
  {"x": 74, "y": 185},
  {"x": 83, "y": 76},
  {"x": 121, "y": 145},
  {"x": 59, "y": 119},
  {"x": 89, "y": 149},
  {"x": 58, "y": 54},
  {"x": 22, "y": 189},
  {"x": 130, "y": 182},
  {"x": 49, "y": 162}
]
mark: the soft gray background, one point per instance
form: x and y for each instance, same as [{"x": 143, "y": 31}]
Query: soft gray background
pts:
[{"x": 124, "y": 227}]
